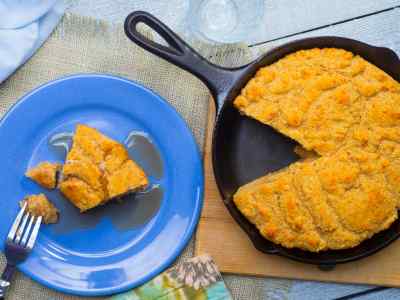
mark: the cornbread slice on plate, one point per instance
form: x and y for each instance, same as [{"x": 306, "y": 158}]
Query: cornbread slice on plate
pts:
[
  {"x": 345, "y": 114},
  {"x": 98, "y": 169},
  {"x": 45, "y": 174},
  {"x": 39, "y": 205}
]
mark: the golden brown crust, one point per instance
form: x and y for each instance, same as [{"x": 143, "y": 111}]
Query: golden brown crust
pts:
[
  {"x": 333, "y": 202},
  {"x": 39, "y": 205},
  {"x": 127, "y": 178},
  {"x": 318, "y": 96},
  {"x": 98, "y": 169},
  {"x": 347, "y": 111},
  {"x": 81, "y": 194},
  {"x": 45, "y": 174}
]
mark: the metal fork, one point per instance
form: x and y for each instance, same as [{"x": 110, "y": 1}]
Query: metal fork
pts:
[{"x": 19, "y": 243}]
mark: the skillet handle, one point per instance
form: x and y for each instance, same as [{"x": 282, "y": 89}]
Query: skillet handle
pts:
[{"x": 219, "y": 80}]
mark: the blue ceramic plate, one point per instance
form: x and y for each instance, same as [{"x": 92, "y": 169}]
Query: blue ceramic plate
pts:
[{"x": 120, "y": 245}]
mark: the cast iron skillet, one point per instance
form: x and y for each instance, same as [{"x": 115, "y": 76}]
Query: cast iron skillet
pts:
[{"x": 244, "y": 149}]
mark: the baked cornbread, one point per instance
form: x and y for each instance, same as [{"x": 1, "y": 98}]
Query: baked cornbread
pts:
[
  {"x": 333, "y": 202},
  {"x": 345, "y": 111},
  {"x": 316, "y": 96},
  {"x": 45, "y": 174},
  {"x": 39, "y": 205},
  {"x": 98, "y": 169}
]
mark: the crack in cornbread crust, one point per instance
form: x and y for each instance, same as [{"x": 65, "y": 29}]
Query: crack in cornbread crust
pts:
[
  {"x": 98, "y": 169},
  {"x": 347, "y": 112}
]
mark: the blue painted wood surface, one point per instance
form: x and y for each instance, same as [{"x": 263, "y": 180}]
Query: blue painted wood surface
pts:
[{"x": 281, "y": 17}]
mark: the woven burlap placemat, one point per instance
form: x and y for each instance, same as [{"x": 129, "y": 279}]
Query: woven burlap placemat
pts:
[{"x": 84, "y": 45}]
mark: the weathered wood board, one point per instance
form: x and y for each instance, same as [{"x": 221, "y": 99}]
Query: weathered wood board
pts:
[{"x": 219, "y": 236}]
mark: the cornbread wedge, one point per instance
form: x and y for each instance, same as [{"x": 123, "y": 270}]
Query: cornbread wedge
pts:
[
  {"x": 45, "y": 174},
  {"x": 332, "y": 202},
  {"x": 98, "y": 169},
  {"x": 319, "y": 96},
  {"x": 39, "y": 205}
]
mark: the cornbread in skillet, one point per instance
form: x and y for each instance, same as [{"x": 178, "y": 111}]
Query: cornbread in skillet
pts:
[
  {"x": 39, "y": 205},
  {"x": 45, "y": 174},
  {"x": 98, "y": 169},
  {"x": 316, "y": 96},
  {"x": 347, "y": 112}
]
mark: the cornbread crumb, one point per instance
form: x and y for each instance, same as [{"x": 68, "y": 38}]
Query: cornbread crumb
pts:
[
  {"x": 39, "y": 205},
  {"x": 45, "y": 174}
]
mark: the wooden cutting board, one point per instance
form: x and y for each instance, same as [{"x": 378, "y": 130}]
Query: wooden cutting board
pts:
[{"x": 219, "y": 236}]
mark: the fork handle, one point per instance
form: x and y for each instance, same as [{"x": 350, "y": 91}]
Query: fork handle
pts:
[{"x": 6, "y": 279}]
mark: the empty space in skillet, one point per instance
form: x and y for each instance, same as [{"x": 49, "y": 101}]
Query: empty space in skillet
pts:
[{"x": 248, "y": 149}]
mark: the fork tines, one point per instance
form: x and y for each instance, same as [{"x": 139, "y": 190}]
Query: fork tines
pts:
[{"x": 21, "y": 232}]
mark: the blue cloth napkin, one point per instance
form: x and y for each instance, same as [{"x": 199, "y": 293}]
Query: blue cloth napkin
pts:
[{"x": 24, "y": 26}]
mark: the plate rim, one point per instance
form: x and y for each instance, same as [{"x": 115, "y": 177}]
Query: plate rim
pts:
[{"x": 199, "y": 201}]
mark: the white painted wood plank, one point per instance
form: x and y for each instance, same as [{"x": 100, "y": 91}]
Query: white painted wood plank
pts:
[
  {"x": 381, "y": 30},
  {"x": 285, "y": 17},
  {"x": 281, "y": 17}
]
